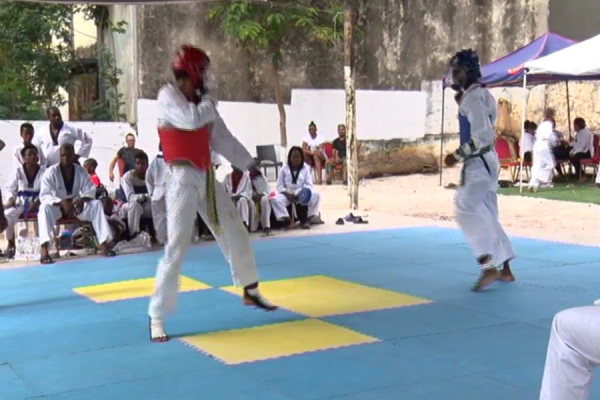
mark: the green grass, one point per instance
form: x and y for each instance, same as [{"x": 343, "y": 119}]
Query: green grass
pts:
[{"x": 577, "y": 192}]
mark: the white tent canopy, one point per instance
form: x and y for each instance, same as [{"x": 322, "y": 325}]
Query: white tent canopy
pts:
[{"x": 579, "y": 60}]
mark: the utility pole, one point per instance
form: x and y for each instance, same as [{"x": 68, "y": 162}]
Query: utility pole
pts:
[{"x": 351, "y": 145}]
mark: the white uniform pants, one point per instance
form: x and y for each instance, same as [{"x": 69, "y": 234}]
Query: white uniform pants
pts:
[
  {"x": 280, "y": 204},
  {"x": 477, "y": 207},
  {"x": 93, "y": 212},
  {"x": 12, "y": 217},
  {"x": 186, "y": 195},
  {"x": 573, "y": 354},
  {"x": 133, "y": 212},
  {"x": 159, "y": 217},
  {"x": 260, "y": 213},
  {"x": 242, "y": 205},
  {"x": 503, "y": 249}
]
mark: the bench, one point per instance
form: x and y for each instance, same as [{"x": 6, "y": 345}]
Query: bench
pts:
[{"x": 32, "y": 217}]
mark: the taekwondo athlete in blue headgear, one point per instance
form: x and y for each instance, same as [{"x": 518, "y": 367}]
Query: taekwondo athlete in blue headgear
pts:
[{"x": 476, "y": 199}]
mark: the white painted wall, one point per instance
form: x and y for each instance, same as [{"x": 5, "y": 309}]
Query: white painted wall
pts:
[{"x": 380, "y": 115}]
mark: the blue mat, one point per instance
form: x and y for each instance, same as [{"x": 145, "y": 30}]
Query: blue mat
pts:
[{"x": 444, "y": 343}]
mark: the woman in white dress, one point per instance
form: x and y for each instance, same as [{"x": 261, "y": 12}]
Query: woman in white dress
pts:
[
  {"x": 22, "y": 193},
  {"x": 293, "y": 178}
]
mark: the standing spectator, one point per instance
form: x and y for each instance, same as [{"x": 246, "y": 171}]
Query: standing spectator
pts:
[
  {"x": 126, "y": 154},
  {"x": 57, "y": 133}
]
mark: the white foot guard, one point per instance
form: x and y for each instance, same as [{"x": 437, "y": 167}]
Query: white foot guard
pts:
[
  {"x": 157, "y": 330},
  {"x": 597, "y": 302}
]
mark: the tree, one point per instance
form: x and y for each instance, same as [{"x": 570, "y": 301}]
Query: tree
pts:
[
  {"x": 36, "y": 55},
  {"x": 266, "y": 27}
]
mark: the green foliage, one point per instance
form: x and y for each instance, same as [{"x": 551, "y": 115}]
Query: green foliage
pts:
[
  {"x": 36, "y": 55},
  {"x": 265, "y": 27},
  {"x": 108, "y": 107}
]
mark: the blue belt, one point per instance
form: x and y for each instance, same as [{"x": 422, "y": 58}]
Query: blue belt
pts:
[{"x": 28, "y": 197}]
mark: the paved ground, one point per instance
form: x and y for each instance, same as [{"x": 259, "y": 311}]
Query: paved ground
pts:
[{"x": 371, "y": 315}]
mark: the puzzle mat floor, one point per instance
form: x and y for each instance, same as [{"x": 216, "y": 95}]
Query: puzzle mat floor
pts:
[{"x": 370, "y": 315}]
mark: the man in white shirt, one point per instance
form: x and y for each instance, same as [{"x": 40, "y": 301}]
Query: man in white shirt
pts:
[
  {"x": 57, "y": 133},
  {"x": 583, "y": 146}
]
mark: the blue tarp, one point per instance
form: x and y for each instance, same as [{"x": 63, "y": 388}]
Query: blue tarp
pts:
[{"x": 509, "y": 71}]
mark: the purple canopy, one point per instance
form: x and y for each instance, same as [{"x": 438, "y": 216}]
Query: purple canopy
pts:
[{"x": 509, "y": 70}]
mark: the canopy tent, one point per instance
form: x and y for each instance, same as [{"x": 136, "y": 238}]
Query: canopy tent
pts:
[
  {"x": 578, "y": 62},
  {"x": 510, "y": 69}
]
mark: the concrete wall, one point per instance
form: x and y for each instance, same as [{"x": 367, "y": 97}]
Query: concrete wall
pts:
[
  {"x": 402, "y": 43},
  {"x": 578, "y": 20}
]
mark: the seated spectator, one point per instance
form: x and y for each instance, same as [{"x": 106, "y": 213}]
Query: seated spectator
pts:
[
  {"x": 66, "y": 191},
  {"x": 238, "y": 185},
  {"x": 27, "y": 134},
  {"x": 22, "y": 193},
  {"x": 155, "y": 182},
  {"x": 126, "y": 154},
  {"x": 583, "y": 146},
  {"x": 293, "y": 178},
  {"x": 138, "y": 203},
  {"x": 527, "y": 140},
  {"x": 90, "y": 166},
  {"x": 117, "y": 226},
  {"x": 261, "y": 204},
  {"x": 312, "y": 149}
]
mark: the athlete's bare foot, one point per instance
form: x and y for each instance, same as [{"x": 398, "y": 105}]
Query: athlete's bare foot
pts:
[
  {"x": 252, "y": 297},
  {"x": 487, "y": 277},
  {"x": 506, "y": 274},
  {"x": 157, "y": 331}
]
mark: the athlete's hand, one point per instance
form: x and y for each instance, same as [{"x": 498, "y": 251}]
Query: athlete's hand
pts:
[{"x": 450, "y": 160}]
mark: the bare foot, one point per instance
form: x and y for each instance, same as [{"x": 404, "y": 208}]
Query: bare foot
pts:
[
  {"x": 487, "y": 277},
  {"x": 506, "y": 274}
]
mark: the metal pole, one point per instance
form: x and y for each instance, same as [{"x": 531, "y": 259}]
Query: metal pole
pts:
[
  {"x": 523, "y": 114},
  {"x": 442, "y": 135}
]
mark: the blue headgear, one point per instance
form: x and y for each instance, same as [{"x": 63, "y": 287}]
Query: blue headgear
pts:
[
  {"x": 467, "y": 61},
  {"x": 304, "y": 196}
]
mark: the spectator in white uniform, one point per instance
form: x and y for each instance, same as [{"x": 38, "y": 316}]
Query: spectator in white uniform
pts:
[{"x": 57, "y": 133}]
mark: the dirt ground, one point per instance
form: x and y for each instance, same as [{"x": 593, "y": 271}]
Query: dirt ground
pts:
[{"x": 421, "y": 198}]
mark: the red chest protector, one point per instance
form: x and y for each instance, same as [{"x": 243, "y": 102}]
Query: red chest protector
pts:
[{"x": 186, "y": 146}]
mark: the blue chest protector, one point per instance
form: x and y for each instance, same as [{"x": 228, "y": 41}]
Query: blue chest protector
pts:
[{"x": 464, "y": 129}]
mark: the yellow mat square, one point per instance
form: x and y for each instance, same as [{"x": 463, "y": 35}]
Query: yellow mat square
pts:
[
  {"x": 322, "y": 296},
  {"x": 273, "y": 341},
  {"x": 133, "y": 289}
]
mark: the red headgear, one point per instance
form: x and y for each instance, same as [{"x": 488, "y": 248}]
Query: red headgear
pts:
[{"x": 193, "y": 61}]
